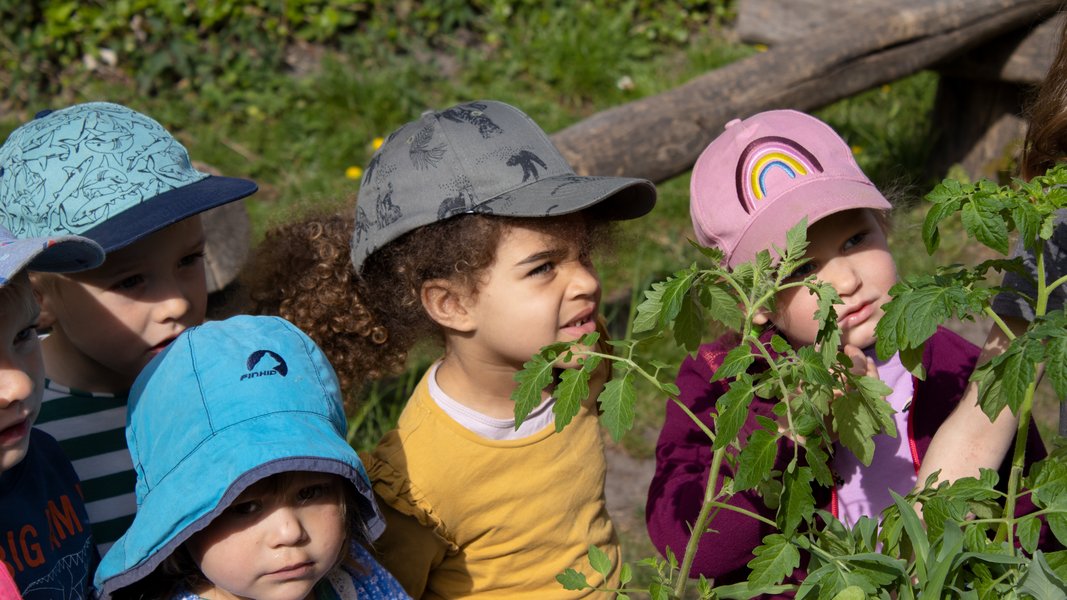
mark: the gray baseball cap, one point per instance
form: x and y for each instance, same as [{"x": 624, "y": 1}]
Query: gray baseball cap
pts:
[
  {"x": 54, "y": 254},
  {"x": 479, "y": 157}
]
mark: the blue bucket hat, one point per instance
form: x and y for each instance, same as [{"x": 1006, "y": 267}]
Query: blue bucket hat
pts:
[
  {"x": 61, "y": 254},
  {"x": 103, "y": 171},
  {"x": 227, "y": 404}
]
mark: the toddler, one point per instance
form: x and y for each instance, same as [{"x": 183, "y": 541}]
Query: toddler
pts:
[
  {"x": 46, "y": 548},
  {"x": 470, "y": 229},
  {"x": 117, "y": 177},
  {"x": 246, "y": 486},
  {"x": 749, "y": 186}
]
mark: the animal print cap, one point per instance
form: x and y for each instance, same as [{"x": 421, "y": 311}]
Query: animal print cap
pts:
[
  {"x": 479, "y": 157},
  {"x": 105, "y": 172}
]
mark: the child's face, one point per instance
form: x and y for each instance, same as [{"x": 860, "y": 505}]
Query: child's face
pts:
[
  {"x": 111, "y": 320},
  {"x": 848, "y": 250},
  {"x": 540, "y": 289},
  {"x": 21, "y": 371},
  {"x": 274, "y": 542}
]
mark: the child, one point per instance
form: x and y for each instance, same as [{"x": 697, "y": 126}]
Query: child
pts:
[
  {"x": 749, "y": 186},
  {"x": 969, "y": 441},
  {"x": 45, "y": 544},
  {"x": 117, "y": 177},
  {"x": 246, "y": 486},
  {"x": 472, "y": 229}
]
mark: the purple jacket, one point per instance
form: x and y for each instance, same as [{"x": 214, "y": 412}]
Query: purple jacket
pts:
[{"x": 683, "y": 455}]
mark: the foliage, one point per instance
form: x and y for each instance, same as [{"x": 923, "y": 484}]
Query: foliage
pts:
[{"x": 971, "y": 544}]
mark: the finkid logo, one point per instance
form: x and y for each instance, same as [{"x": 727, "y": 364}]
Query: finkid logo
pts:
[{"x": 280, "y": 368}]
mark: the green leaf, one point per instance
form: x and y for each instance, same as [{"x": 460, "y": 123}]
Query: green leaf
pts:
[
  {"x": 913, "y": 527},
  {"x": 648, "y": 312},
  {"x": 858, "y": 419},
  {"x": 798, "y": 503},
  {"x": 617, "y": 402},
  {"x": 1041, "y": 581},
  {"x": 852, "y": 592},
  {"x": 721, "y": 305},
  {"x": 737, "y": 361},
  {"x": 1056, "y": 365},
  {"x": 756, "y": 459},
  {"x": 573, "y": 389},
  {"x": 689, "y": 324},
  {"x": 626, "y": 574},
  {"x": 776, "y": 558},
  {"x": 675, "y": 293},
  {"x": 986, "y": 226},
  {"x": 572, "y": 580},
  {"x": 937, "y": 213},
  {"x": 599, "y": 560},
  {"x": 1028, "y": 531},
  {"x": 732, "y": 409},
  {"x": 535, "y": 376}
]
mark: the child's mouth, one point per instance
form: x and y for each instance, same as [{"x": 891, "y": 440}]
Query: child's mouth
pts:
[
  {"x": 856, "y": 316},
  {"x": 14, "y": 433},
  {"x": 581, "y": 325}
]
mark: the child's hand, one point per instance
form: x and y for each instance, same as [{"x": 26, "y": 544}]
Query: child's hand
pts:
[{"x": 861, "y": 363}]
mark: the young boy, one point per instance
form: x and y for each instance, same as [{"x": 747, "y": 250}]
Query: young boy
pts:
[
  {"x": 117, "y": 177},
  {"x": 45, "y": 544},
  {"x": 749, "y": 186}
]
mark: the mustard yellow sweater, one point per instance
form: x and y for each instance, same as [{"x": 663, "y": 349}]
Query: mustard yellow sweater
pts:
[{"x": 468, "y": 516}]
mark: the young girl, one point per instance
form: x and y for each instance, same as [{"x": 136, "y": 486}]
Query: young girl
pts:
[
  {"x": 246, "y": 487},
  {"x": 749, "y": 186},
  {"x": 969, "y": 441},
  {"x": 473, "y": 230}
]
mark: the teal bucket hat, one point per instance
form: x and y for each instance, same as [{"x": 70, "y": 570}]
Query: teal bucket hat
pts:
[
  {"x": 227, "y": 404},
  {"x": 103, "y": 171}
]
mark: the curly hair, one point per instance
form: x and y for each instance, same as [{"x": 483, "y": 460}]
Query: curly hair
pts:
[
  {"x": 1046, "y": 137},
  {"x": 367, "y": 324}
]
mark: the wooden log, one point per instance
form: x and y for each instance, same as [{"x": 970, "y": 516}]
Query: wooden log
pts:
[{"x": 661, "y": 136}]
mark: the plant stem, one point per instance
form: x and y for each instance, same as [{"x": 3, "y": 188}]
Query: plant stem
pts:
[{"x": 701, "y": 524}]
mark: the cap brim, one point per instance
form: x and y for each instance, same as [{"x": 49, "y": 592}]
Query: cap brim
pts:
[
  {"x": 168, "y": 208},
  {"x": 60, "y": 254},
  {"x": 815, "y": 200},
  {"x": 159, "y": 527},
  {"x": 612, "y": 198}
]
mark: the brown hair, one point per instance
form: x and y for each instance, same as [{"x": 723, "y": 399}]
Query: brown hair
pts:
[
  {"x": 1046, "y": 137},
  {"x": 366, "y": 324}
]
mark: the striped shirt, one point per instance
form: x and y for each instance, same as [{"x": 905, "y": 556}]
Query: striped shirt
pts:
[{"x": 91, "y": 429}]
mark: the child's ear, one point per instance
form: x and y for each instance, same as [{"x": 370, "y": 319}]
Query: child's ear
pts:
[
  {"x": 447, "y": 304},
  {"x": 41, "y": 284}
]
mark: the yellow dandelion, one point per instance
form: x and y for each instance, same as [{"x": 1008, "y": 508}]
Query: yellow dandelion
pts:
[
  {"x": 857, "y": 149},
  {"x": 377, "y": 143},
  {"x": 760, "y": 47},
  {"x": 353, "y": 172},
  {"x": 885, "y": 88}
]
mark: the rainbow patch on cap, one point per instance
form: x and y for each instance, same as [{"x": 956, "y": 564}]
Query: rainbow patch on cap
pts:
[{"x": 767, "y": 164}]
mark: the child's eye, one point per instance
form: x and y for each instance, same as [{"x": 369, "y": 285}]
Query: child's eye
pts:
[
  {"x": 128, "y": 283},
  {"x": 249, "y": 507},
  {"x": 191, "y": 259},
  {"x": 542, "y": 269},
  {"x": 312, "y": 492},
  {"x": 26, "y": 335},
  {"x": 801, "y": 272},
  {"x": 855, "y": 240}
]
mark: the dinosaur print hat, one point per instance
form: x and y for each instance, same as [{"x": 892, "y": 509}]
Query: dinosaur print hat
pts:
[
  {"x": 479, "y": 157},
  {"x": 105, "y": 172}
]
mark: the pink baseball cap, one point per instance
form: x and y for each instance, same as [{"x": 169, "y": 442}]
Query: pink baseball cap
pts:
[{"x": 763, "y": 174}]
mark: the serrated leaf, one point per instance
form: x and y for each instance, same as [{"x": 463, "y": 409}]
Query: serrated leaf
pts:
[
  {"x": 648, "y": 311},
  {"x": 675, "y": 293},
  {"x": 736, "y": 362},
  {"x": 688, "y": 325},
  {"x": 599, "y": 560},
  {"x": 721, "y": 305},
  {"x": 617, "y": 403},
  {"x": 941, "y": 210},
  {"x": 858, "y": 420},
  {"x": 626, "y": 574},
  {"x": 1028, "y": 531},
  {"x": 535, "y": 376},
  {"x": 732, "y": 409},
  {"x": 756, "y": 460},
  {"x": 572, "y": 580},
  {"x": 798, "y": 503},
  {"x": 986, "y": 226},
  {"x": 572, "y": 390},
  {"x": 1057, "y": 523},
  {"x": 1041, "y": 582},
  {"x": 773, "y": 560},
  {"x": 852, "y": 592},
  {"x": 1056, "y": 365}
]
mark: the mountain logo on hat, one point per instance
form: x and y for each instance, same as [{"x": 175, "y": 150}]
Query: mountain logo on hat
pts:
[
  {"x": 768, "y": 164},
  {"x": 280, "y": 367}
]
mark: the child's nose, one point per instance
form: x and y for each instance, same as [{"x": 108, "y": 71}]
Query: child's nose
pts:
[
  {"x": 585, "y": 281},
  {"x": 842, "y": 275},
  {"x": 172, "y": 301},
  {"x": 286, "y": 528},
  {"x": 15, "y": 384}
]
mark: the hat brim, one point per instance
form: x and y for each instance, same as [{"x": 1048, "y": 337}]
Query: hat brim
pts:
[
  {"x": 159, "y": 527},
  {"x": 815, "y": 200},
  {"x": 611, "y": 198},
  {"x": 168, "y": 208},
  {"x": 60, "y": 254}
]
